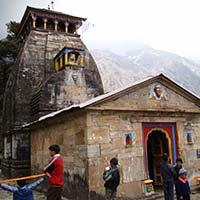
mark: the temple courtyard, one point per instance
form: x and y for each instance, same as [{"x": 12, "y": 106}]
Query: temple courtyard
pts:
[{"x": 4, "y": 195}]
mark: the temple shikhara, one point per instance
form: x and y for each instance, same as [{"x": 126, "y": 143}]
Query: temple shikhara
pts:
[{"x": 55, "y": 95}]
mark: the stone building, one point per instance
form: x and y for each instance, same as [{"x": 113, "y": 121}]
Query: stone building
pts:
[
  {"x": 53, "y": 70},
  {"x": 136, "y": 124}
]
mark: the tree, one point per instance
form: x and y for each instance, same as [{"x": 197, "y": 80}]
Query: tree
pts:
[
  {"x": 9, "y": 49},
  {"x": 12, "y": 29},
  {"x": 9, "y": 46}
]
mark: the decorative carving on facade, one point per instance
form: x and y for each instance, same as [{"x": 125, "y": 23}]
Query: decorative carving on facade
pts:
[{"x": 157, "y": 92}]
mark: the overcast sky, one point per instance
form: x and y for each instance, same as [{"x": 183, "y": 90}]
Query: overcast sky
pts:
[{"x": 171, "y": 25}]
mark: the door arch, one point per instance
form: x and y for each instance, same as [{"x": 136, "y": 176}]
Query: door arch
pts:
[
  {"x": 157, "y": 144},
  {"x": 166, "y": 131}
]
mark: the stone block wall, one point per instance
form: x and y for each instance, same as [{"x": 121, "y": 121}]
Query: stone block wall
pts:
[
  {"x": 189, "y": 151},
  {"x": 140, "y": 100},
  {"x": 70, "y": 134},
  {"x": 105, "y": 137},
  {"x": 17, "y": 147}
]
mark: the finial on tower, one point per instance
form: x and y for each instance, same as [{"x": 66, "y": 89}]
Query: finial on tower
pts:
[{"x": 52, "y": 5}]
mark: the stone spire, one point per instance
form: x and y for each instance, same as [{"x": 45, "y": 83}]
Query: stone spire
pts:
[{"x": 54, "y": 69}]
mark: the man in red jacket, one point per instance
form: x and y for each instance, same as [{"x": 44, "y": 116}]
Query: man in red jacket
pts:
[{"x": 54, "y": 170}]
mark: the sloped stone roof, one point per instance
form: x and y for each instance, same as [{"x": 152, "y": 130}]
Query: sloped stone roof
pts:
[{"x": 121, "y": 91}]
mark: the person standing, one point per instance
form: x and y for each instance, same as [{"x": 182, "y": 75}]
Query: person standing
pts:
[
  {"x": 168, "y": 173},
  {"x": 183, "y": 188},
  {"x": 111, "y": 177},
  {"x": 177, "y": 167},
  {"x": 54, "y": 171}
]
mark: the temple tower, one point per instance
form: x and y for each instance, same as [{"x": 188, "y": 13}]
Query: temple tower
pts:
[{"x": 54, "y": 69}]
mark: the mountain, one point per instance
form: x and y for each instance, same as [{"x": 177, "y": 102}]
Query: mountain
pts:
[{"x": 119, "y": 70}]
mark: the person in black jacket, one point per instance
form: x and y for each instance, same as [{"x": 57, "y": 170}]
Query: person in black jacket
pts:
[
  {"x": 183, "y": 188},
  {"x": 177, "y": 167},
  {"x": 111, "y": 177},
  {"x": 168, "y": 173}
]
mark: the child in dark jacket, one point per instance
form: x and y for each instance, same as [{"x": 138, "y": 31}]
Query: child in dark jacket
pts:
[
  {"x": 23, "y": 191},
  {"x": 111, "y": 177},
  {"x": 183, "y": 188},
  {"x": 177, "y": 167}
]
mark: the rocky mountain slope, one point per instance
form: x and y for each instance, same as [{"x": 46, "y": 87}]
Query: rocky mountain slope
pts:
[{"x": 119, "y": 70}]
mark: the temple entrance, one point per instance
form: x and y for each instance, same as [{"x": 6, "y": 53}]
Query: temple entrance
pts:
[
  {"x": 157, "y": 144},
  {"x": 158, "y": 138}
]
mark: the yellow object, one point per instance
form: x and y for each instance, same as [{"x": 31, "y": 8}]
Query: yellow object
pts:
[
  {"x": 148, "y": 187},
  {"x": 66, "y": 58},
  {"x": 56, "y": 27},
  {"x": 148, "y": 181},
  {"x": 81, "y": 61},
  {"x": 45, "y": 25},
  {"x": 56, "y": 66},
  {"x": 61, "y": 63},
  {"x": 34, "y": 23},
  {"x": 22, "y": 178}
]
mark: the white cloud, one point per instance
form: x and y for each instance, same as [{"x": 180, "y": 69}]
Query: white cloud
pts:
[{"x": 171, "y": 25}]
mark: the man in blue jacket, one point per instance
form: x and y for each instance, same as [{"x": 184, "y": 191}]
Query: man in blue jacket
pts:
[
  {"x": 23, "y": 191},
  {"x": 168, "y": 173}
]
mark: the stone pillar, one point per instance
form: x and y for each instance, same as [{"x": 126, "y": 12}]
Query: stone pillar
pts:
[
  {"x": 14, "y": 147},
  {"x": 61, "y": 63},
  {"x": 81, "y": 59},
  {"x": 45, "y": 24},
  {"x": 66, "y": 58},
  {"x": 34, "y": 18},
  {"x": 7, "y": 148},
  {"x": 56, "y": 25},
  {"x": 66, "y": 27},
  {"x": 56, "y": 66},
  {"x": 34, "y": 23},
  {"x": 77, "y": 27}
]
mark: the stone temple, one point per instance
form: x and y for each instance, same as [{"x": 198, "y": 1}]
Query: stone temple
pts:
[
  {"x": 55, "y": 95},
  {"x": 53, "y": 70}
]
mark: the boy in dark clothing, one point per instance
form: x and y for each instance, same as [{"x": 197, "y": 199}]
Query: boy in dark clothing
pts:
[
  {"x": 183, "y": 188},
  {"x": 112, "y": 179},
  {"x": 24, "y": 191},
  {"x": 177, "y": 167},
  {"x": 54, "y": 171},
  {"x": 168, "y": 173}
]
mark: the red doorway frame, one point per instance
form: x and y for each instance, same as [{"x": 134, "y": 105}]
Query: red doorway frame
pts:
[{"x": 170, "y": 130}]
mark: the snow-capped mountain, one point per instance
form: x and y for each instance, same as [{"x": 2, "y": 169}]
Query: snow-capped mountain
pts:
[{"x": 119, "y": 70}]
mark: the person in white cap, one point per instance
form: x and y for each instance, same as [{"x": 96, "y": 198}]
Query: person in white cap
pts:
[{"x": 183, "y": 187}]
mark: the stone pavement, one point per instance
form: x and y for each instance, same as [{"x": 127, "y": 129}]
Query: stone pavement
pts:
[{"x": 4, "y": 195}]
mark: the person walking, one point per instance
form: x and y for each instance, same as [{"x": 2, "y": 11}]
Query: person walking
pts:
[
  {"x": 23, "y": 191},
  {"x": 54, "y": 171},
  {"x": 111, "y": 177},
  {"x": 183, "y": 187},
  {"x": 168, "y": 173}
]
